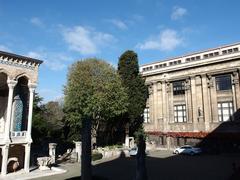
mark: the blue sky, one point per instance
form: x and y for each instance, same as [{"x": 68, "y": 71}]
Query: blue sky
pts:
[{"x": 61, "y": 32}]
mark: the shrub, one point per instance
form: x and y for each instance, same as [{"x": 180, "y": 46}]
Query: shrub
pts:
[{"x": 96, "y": 156}]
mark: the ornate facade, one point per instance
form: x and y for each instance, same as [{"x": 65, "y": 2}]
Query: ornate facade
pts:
[
  {"x": 194, "y": 97},
  {"x": 18, "y": 80}
]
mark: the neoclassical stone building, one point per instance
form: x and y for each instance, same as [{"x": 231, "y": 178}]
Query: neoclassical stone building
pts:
[
  {"x": 194, "y": 98},
  {"x": 18, "y": 80}
]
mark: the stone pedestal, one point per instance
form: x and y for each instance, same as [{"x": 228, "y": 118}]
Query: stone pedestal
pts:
[
  {"x": 78, "y": 146},
  {"x": 52, "y": 152},
  {"x": 44, "y": 163}
]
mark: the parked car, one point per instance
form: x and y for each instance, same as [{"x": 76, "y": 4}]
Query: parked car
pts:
[
  {"x": 187, "y": 149},
  {"x": 133, "y": 151}
]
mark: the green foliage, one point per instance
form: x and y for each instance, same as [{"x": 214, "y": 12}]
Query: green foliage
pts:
[
  {"x": 94, "y": 91},
  {"x": 140, "y": 133},
  {"x": 96, "y": 156},
  {"x": 137, "y": 91},
  {"x": 47, "y": 120}
]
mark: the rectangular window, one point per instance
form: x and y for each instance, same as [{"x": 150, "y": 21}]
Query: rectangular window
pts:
[
  {"x": 224, "y": 52},
  {"x": 178, "y": 88},
  {"x": 146, "y": 115},
  {"x": 225, "y": 110},
  {"x": 235, "y": 49},
  {"x": 180, "y": 113},
  {"x": 223, "y": 82}
]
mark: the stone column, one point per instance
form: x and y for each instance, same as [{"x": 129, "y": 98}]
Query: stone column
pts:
[
  {"x": 52, "y": 152},
  {"x": 194, "y": 103},
  {"x": 27, "y": 157},
  {"x": 78, "y": 147},
  {"x": 5, "y": 150},
  {"x": 188, "y": 100},
  {"x": 11, "y": 85},
  {"x": 32, "y": 87},
  {"x": 213, "y": 99},
  {"x": 206, "y": 103},
  {"x": 169, "y": 102},
  {"x": 236, "y": 89},
  {"x": 164, "y": 107}
]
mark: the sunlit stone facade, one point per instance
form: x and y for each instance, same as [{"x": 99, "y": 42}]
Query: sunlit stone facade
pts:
[
  {"x": 193, "y": 96},
  {"x": 18, "y": 80}
]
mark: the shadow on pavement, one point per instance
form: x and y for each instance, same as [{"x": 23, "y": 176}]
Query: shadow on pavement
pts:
[{"x": 177, "y": 167}]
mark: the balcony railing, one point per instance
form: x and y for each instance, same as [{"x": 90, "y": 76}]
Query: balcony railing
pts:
[{"x": 18, "y": 133}]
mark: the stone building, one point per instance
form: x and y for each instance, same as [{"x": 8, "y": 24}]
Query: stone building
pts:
[
  {"x": 194, "y": 98},
  {"x": 18, "y": 80}
]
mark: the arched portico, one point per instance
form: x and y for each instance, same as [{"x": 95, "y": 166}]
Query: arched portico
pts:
[{"x": 18, "y": 76}]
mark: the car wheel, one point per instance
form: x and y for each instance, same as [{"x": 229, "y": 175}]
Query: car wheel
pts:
[
  {"x": 177, "y": 152},
  {"x": 192, "y": 153}
]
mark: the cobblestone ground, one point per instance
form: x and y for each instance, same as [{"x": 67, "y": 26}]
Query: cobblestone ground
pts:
[{"x": 162, "y": 165}]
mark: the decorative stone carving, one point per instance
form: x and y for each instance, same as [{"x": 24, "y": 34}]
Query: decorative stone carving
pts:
[
  {"x": 78, "y": 149},
  {"x": 44, "y": 163},
  {"x": 210, "y": 81},
  {"x": 150, "y": 88},
  {"x": 52, "y": 152},
  {"x": 187, "y": 85},
  {"x": 159, "y": 86},
  {"x": 235, "y": 78}
]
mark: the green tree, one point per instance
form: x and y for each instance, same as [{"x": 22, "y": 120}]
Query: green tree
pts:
[
  {"x": 128, "y": 69},
  {"x": 54, "y": 117},
  {"x": 93, "y": 93},
  {"x": 40, "y": 126},
  {"x": 137, "y": 91}
]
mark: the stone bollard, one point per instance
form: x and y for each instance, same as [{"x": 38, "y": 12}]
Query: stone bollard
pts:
[
  {"x": 78, "y": 147},
  {"x": 52, "y": 152}
]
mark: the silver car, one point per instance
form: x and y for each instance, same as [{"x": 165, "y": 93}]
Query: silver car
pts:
[{"x": 187, "y": 149}]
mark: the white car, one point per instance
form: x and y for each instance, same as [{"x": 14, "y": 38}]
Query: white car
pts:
[
  {"x": 187, "y": 149},
  {"x": 133, "y": 151}
]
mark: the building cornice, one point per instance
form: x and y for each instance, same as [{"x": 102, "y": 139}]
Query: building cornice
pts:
[
  {"x": 18, "y": 60},
  {"x": 206, "y": 57}
]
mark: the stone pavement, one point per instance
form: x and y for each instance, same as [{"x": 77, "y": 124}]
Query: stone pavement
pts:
[{"x": 35, "y": 173}]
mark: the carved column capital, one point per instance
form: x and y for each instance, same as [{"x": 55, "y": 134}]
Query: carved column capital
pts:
[{"x": 11, "y": 83}]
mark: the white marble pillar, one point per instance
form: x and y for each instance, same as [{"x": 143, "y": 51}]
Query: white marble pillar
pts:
[
  {"x": 52, "y": 152},
  {"x": 5, "y": 150},
  {"x": 78, "y": 147},
  {"x": 27, "y": 157},
  {"x": 32, "y": 87},
  {"x": 11, "y": 85}
]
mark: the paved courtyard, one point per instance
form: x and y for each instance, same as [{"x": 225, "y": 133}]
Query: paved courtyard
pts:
[{"x": 161, "y": 165}]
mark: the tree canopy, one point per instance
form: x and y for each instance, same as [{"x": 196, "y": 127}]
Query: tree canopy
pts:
[
  {"x": 137, "y": 91},
  {"x": 93, "y": 90},
  {"x": 93, "y": 93}
]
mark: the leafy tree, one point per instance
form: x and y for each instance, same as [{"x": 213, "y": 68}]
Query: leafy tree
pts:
[
  {"x": 54, "y": 117},
  {"x": 93, "y": 93},
  {"x": 40, "y": 126},
  {"x": 137, "y": 91}
]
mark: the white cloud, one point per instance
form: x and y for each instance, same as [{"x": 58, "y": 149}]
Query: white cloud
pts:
[
  {"x": 4, "y": 48},
  {"x": 37, "y": 22},
  {"x": 178, "y": 13},
  {"x": 118, "y": 23},
  {"x": 33, "y": 54},
  {"x": 54, "y": 60},
  {"x": 167, "y": 40},
  {"x": 86, "y": 41}
]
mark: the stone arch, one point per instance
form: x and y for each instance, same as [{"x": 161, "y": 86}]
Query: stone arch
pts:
[
  {"x": 22, "y": 75},
  {"x": 4, "y": 71},
  {"x": 3, "y": 99},
  {"x": 20, "y": 104},
  {"x": 16, "y": 154}
]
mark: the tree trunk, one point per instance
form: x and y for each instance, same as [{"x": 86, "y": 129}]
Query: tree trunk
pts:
[
  {"x": 141, "y": 172},
  {"x": 86, "y": 167}
]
